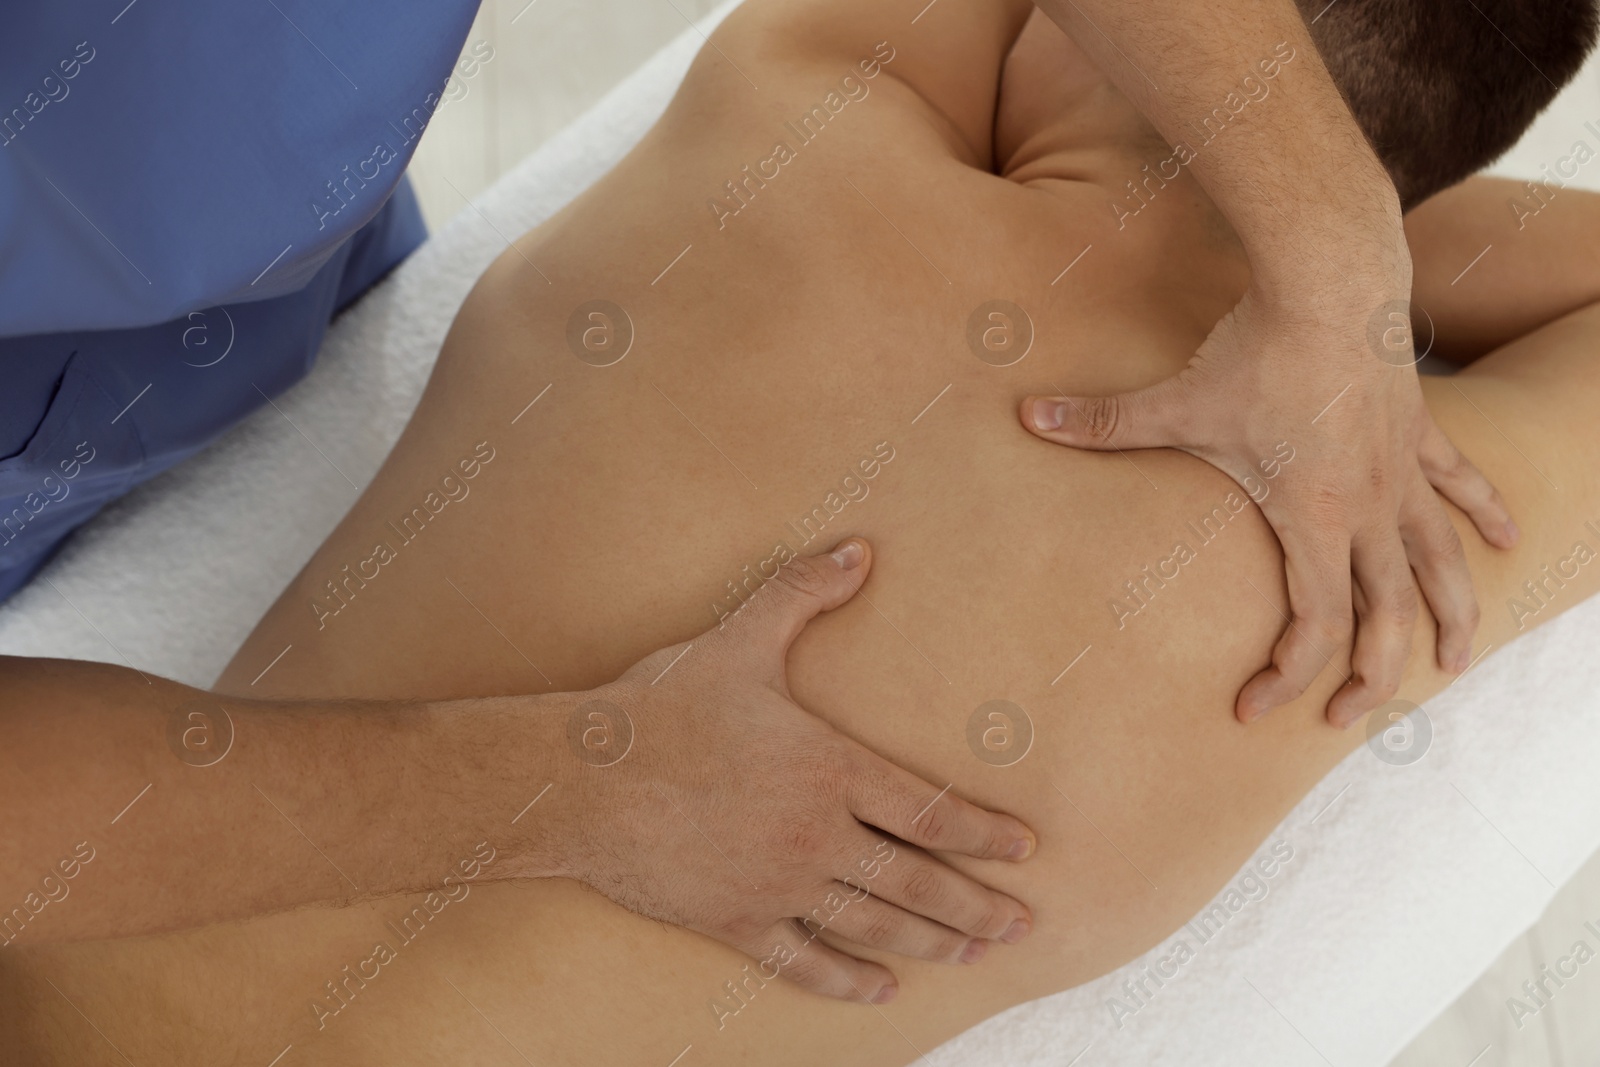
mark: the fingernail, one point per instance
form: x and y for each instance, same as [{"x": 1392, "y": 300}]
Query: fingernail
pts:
[
  {"x": 848, "y": 555},
  {"x": 1512, "y": 533},
  {"x": 975, "y": 950},
  {"x": 1463, "y": 658},
  {"x": 1016, "y": 932},
  {"x": 1021, "y": 850},
  {"x": 886, "y": 994},
  {"x": 1047, "y": 414}
]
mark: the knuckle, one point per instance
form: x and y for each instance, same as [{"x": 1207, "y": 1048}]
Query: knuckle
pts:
[
  {"x": 1380, "y": 480},
  {"x": 949, "y": 946},
  {"x": 1294, "y": 685},
  {"x": 1401, "y": 605},
  {"x": 834, "y": 765},
  {"x": 934, "y": 825},
  {"x": 745, "y": 929},
  {"x": 831, "y": 777},
  {"x": 1101, "y": 416},
  {"x": 1342, "y": 623},
  {"x": 1310, "y": 621},
  {"x": 996, "y": 917},
  {"x": 803, "y": 576},
  {"x": 807, "y": 969},
  {"x": 1447, "y": 549},
  {"x": 1326, "y": 504},
  {"x": 805, "y": 838},
  {"x": 880, "y": 928},
  {"x": 924, "y": 887},
  {"x": 1443, "y": 458},
  {"x": 1379, "y": 672},
  {"x": 992, "y": 837},
  {"x": 1383, "y": 679},
  {"x": 1489, "y": 506},
  {"x": 1323, "y": 630}
]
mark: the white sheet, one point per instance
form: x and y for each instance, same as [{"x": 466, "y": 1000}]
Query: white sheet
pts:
[{"x": 1405, "y": 882}]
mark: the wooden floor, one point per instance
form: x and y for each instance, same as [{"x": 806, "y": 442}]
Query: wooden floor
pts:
[{"x": 540, "y": 63}]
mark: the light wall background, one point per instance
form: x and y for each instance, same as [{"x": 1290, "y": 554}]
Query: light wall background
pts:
[{"x": 551, "y": 60}]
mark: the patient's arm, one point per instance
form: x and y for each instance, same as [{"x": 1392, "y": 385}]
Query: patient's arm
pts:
[{"x": 1496, "y": 259}]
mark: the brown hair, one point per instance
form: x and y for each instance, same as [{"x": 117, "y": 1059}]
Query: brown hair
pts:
[{"x": 1444, "y": 87}]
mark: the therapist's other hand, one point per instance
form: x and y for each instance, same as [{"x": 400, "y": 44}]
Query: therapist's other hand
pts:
[
  {"x": 738, "y": 814},
  {"x": 1357, "y": 500}
]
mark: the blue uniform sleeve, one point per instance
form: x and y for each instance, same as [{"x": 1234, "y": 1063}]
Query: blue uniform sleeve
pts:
[{"x": 158, "y": 159}]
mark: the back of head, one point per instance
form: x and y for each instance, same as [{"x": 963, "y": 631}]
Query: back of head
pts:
[{"x": 1444, "y": 87}]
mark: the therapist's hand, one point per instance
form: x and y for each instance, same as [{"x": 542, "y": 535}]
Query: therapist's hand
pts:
[
  {"x": 1318, "y": 216},
  {"x": 1331, "y": 378},
  {"x": 736, "y": 813}
]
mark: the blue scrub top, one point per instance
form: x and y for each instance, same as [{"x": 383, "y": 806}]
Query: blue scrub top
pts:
[{"x": 188, "y": 193}]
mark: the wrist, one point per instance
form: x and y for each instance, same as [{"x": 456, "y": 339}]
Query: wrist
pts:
[
  {"x": 1310, "y": 247},
  {"x": 462, "y": 789},
  {"x": 512, "y": 780},
  {"x": 1360, "y": 272}
]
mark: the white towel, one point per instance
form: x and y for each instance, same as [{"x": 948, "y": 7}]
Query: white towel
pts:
[{"x": 1404, "y": 882}]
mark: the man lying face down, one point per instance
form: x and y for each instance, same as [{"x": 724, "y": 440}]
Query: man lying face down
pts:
[{"x": 845, "y": 311}]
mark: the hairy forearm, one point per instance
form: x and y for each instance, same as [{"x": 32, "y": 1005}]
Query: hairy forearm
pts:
[
  {"x": 137, "y": 805},
  {"x": 1280, "y": 155},
  {"x": 1496, "y": 259}
]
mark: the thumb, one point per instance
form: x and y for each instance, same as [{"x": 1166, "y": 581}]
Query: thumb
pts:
[
  {"x": 802, "y": 589},
  {"x": 1145, "y": 418}
]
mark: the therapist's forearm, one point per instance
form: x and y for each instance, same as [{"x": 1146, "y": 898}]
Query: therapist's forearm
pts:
[
  {"x": 118, "y": 826},
  {"x": 1292, "y": 171}
]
